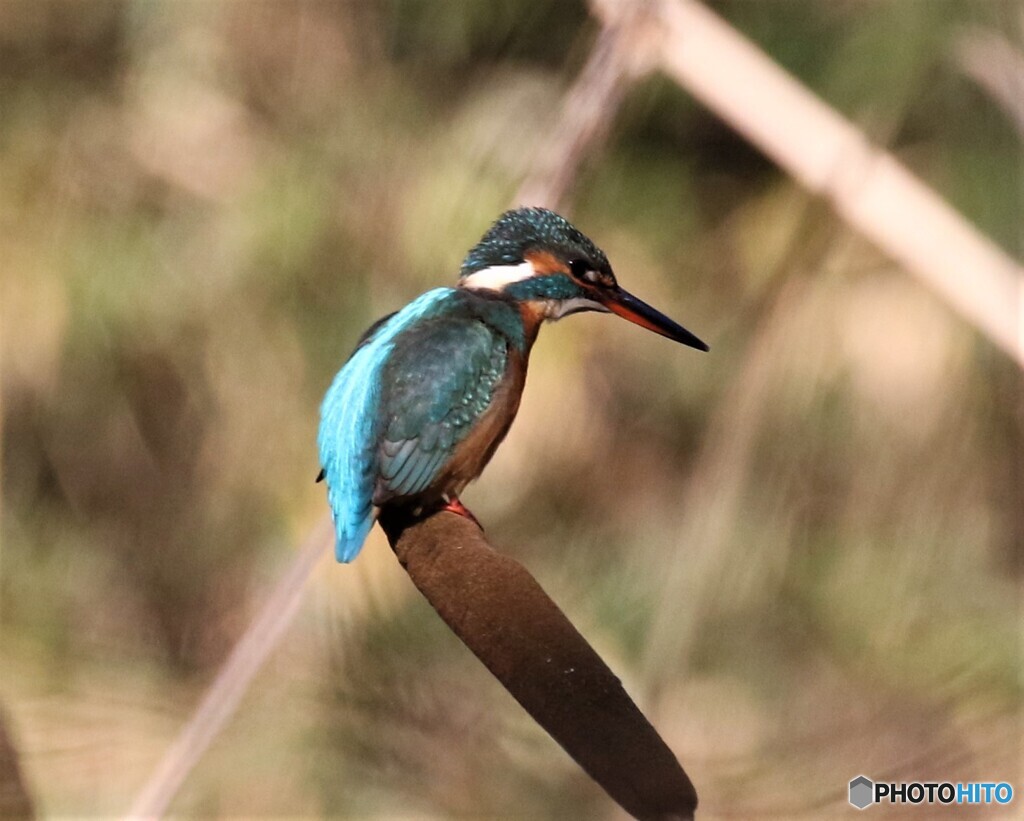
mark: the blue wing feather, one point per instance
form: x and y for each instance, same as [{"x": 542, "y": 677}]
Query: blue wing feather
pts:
[
  {"x": 397, "y": 411},
  {"x": 349, "y": 415},
  {"x": 439, "y": 380}
]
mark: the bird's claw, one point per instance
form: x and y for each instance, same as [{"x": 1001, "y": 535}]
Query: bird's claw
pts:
[{"x": 453, "y": 505}]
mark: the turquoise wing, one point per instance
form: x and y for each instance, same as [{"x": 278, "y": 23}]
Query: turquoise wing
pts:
[
  {"x": 350, "y": 424},
  {"x": 438, "y": 381}
]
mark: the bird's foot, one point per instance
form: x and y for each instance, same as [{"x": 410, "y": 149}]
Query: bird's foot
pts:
[{"x": 453, "y": 505}]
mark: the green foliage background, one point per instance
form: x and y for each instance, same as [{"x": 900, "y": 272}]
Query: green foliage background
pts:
[{"x": 801, "y": 552}]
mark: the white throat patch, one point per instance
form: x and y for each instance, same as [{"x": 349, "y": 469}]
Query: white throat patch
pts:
[
  {"x": 556, "y": 310},
  {"x": 497, "y": 277}
]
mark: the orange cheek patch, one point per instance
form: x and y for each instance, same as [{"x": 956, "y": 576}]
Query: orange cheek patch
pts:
[
  {"x": 532, "y": 311},
  {"x": 532, "y": 314},
  {"x": 544, "y": 262}
]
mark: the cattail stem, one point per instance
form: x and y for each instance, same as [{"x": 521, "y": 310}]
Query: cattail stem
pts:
[{"x": 493, "y": 604}]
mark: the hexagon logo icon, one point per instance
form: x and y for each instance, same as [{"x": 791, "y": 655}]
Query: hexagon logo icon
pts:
[{"x": 862, "y": 792}]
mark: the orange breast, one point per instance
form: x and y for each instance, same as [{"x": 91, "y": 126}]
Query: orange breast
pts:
[{"x": 475, "y": 451}]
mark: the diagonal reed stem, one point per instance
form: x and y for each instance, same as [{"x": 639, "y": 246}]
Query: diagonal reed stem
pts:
[
  {"x": 233, "y": 679},
  {"x": 867, "y": 186}
]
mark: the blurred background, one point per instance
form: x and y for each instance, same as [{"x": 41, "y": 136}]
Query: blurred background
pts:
[{"x": 801, "y": 552}]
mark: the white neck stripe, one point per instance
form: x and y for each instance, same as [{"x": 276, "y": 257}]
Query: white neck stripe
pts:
[
  {"x": 557, "y": 309},
  {"x": 497, "y": 277}
]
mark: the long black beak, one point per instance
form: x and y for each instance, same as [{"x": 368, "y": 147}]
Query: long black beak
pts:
[{"x": 635, "y": 310}]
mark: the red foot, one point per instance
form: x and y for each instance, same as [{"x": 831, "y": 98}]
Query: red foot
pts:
[{"x": 455, "y": 506}]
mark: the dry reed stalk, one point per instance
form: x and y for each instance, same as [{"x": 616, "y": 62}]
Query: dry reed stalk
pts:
[
  {"x": 590, "y": 106},
  {"x": 997, "y": 66},
  {"x": 222, "y": 699},
  {"x": 826, "y": 153}
]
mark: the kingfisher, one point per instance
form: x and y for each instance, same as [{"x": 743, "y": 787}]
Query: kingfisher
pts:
[{"x": 430, "y": 391}]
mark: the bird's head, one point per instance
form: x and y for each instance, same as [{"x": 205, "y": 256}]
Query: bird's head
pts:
[{"x": 535, "y": 256}]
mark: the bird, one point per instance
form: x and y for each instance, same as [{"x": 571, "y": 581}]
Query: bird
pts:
[{"x": 430, "y": 391}]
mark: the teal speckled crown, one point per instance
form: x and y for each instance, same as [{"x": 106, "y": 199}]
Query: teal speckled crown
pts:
[{"x": 518, "y": 231}]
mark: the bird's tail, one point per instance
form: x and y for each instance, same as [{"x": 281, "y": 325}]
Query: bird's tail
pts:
[{"x": 349, "y": 538}]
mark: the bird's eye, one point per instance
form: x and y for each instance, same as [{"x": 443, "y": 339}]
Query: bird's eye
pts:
[{"x": 581, "y": 269}]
